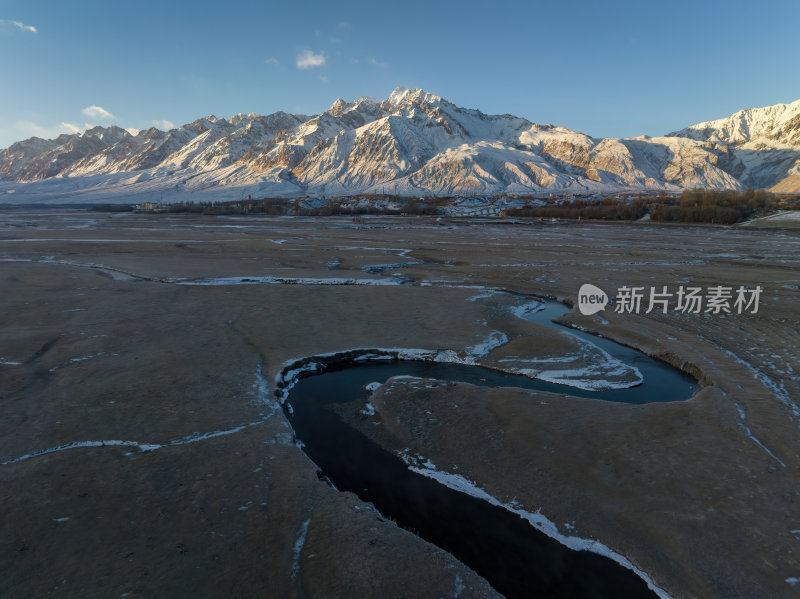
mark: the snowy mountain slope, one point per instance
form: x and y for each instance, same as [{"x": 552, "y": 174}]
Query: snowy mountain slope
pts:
[
  {"x": 412, "y": 143},
  {"x": 774, "y": 126},
  {"x": 39, "y": 160},
  {"x": 764, "y": 143},
  {"x": 18, "y": 155}
]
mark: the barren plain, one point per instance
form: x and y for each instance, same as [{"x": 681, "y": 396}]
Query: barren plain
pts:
[{"x": 143, "y": 451}]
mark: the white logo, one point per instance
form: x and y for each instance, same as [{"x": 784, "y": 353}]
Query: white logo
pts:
[{"x": 591, "y": 299}]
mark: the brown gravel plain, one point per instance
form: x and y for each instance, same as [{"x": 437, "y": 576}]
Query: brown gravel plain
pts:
[{"x": 103, "y": 342}]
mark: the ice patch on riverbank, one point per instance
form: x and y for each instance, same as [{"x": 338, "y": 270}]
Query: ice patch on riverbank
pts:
[
  {"x": 486, "y": 295},
  {"x": 591, "y": 369},
  {"x": 584, "y": 378},
  {"x": 425, "y": 467},
  {"x": 527, "y": 309}
]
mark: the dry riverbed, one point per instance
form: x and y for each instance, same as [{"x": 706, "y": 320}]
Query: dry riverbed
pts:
[{"x": 142, "y": 451}]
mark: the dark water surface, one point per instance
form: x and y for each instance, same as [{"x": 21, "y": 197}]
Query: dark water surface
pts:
[{"x": 516, "y": 559}]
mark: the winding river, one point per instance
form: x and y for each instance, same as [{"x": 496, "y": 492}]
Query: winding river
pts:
[{"x": 517, "y": 559}]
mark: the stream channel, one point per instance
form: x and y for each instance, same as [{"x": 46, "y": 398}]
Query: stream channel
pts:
[{"x": 517, "y": 559}]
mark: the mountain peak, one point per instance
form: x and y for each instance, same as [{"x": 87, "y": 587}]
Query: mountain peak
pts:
[
  {"x": 113, "y": 132},
  {"x": 397, "y": 95},
  {"x": 779, "y": 123},
  {"x": 239, "y": 117},
  {"x": 337, "y": 108},
  {"x": 401, "y": 95}
]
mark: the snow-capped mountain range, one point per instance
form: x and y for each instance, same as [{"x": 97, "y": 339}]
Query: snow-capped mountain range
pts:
[{"x": 413, "y": 143}]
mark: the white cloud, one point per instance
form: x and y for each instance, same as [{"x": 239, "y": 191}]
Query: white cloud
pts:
[
  {"x": 324, "y": 79},
  {"x": 21, "y": 25},
  {"x": 164, "y": 124},
  {"x": 355, "y": 60},
  {"x": 336, "y": 40},
  {"x": 69, "y": 127},
  {"x": 307, "y": 59},
  {"x": 344, "y": 26},
  {"x": 377, "y": 63},
  {"x": 272, "y": 60},
  {"x": 99, "y": 113}
]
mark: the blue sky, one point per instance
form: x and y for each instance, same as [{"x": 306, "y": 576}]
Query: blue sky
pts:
[{"x": 604, "y": 68}]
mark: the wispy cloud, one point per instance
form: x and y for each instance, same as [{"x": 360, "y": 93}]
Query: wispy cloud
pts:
[
  {"x": 98, "y": 112},
  {"x": 164, "y": 124},
  {"x": 20, "y": 25},
  {"x": 25, "y": 129},
  {"x": 344, "y": 26},
  {"x": 307, "y": 59},
  {"x": 69, "y": 127},
  {"x": 324, "y": 79},
  {"x": 377, "y": 63},
  {"x": 271, "y": 60}
]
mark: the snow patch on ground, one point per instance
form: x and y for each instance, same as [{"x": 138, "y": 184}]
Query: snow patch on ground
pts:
[
  {"x": 76, "y": 360},
  {"x": 269, "y": 280},
  {"x": 262, "y": 393},
  {"x": 261, "y": 388},
  {"x": 777, "y": 389},
  {"x": 298, "y": 547},
  {"x": 111, "y": 443},
  {"x": 377, "y": 269},
  {"x": 458, "y": 586},
  {"x": 743, "y": 426},
  {"x": 495, "y": 339},
  {"x": 142, "y": 447},
  {"x": 790, "y": 216}
]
